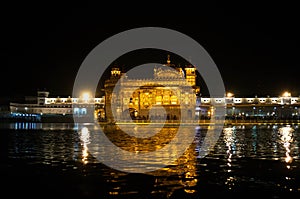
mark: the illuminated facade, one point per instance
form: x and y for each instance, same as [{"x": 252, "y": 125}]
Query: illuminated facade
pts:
[
  {"x": 42, "y": 105},
  {"x": 172, "y": 89},
  {"x": 281, "y": 107},
  {"x": 137, "y": 96},
  {"x": 169, "y": 89}
]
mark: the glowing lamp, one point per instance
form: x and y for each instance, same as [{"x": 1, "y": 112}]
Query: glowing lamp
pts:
[
  {"x": 286, "y": 94},
  {"x": 229, "y": 94}
]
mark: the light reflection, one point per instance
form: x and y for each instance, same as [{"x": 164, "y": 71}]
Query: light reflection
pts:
[
  {"x": 229, "y": 140},
  {"x": 190, "y": 171},
  {"x": 185, "y": 166},
  {"x": 254, "y": 138},
  {"x": 230, "y": 182},
  {"x": 286, "y": 137},
  {"x": 23, "y": 125},
  {"x": 85, "y": 138}
]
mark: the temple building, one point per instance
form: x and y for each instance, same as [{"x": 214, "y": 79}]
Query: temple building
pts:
[
  {"x": 173, "y": 88},
  {"x": 171, "y": 94}
]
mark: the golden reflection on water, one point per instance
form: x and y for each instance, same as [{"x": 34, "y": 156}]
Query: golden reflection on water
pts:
[
  {"x": 184, "y": 166},
  {"x": 136, "y": 144},
  {"x": 183, "y": 172},
  {"x": 286, "y": 138},
  {"x": 85, "y": 139},
  {"x": 229, "y": 141},
  {"x": 189, "y": 181}
]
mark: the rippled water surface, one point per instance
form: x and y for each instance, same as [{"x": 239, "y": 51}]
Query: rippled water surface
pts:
[{"x": 53, "y": 160}]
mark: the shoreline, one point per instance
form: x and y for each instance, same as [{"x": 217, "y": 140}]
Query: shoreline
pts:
[
  {"x": 202, "y": 122},
  {"x": 6, "y": 118},
  {"x": 25, "y": 125}
]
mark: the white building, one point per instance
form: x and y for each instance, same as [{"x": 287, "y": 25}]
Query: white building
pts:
[{"x": 44, "y": 105}]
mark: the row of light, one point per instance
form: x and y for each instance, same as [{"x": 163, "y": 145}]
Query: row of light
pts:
[
  {"x": 86, "y": 95},
  {"x": 285, "y": 94}
]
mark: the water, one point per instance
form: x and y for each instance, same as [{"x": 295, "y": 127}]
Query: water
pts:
[{"x": 53, "y": 160}]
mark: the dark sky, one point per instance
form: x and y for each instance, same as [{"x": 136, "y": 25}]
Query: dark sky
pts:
[{"x": 255, "y": 47}]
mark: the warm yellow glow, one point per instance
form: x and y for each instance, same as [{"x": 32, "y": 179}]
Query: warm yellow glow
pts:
[
  {"x": 86, "y": 96},
  {"x": 211, "y": 110},
  {"x": 85, "y": 134},
  {"x": 286, "y": 134},
  {"x": 229, "y": 140},
  {"x": 288, "y": 158},
  {"x": 84, "y": 154},
  {"x": 115, "y": 72},
  {"x": 85, "y": 138},
  {"x": 135, "y": 113},
  {"x": 229, "y": 94},
  {"x": 189, "y": 191},
  {"x": 158, "y": 99},
  {"x": 286, "y": 94}
]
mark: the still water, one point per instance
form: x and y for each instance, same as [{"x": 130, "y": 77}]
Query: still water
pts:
[{"x": 53, "y": 160}]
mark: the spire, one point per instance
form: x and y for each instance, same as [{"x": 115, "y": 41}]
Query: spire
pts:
[{"x": 168, "y": 61}]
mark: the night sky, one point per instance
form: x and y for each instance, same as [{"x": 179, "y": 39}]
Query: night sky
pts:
[{"x": 256, "y": 48}]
